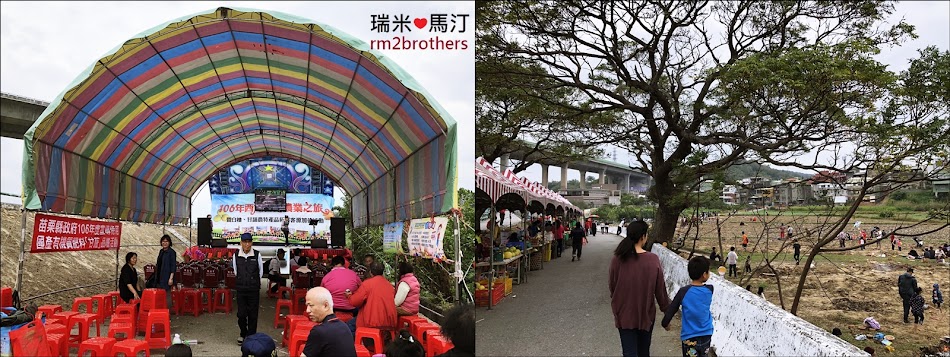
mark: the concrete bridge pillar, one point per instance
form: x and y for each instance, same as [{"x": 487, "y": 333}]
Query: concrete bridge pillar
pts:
[
  {"x": 583, "y": 179},
  {"x": 564, "y": 177},
  {"x": 505, "y": 162},
  {"x": 627, "y": 187},
  {"x": 544, "y": 175},
  {"x": 603, "y": 178}
]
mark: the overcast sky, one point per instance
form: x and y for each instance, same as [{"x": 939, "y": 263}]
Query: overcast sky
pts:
[
  {"x": 932, "y": 22},
  {"x": 45, "y": 45}
]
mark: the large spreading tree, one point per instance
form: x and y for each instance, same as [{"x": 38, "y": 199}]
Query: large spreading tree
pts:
[{"x": 691, "y": 88}]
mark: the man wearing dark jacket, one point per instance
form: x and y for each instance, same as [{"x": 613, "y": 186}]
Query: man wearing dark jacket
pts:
[
  {"x": 248, "y": 271},
  {"x": 906, "y": 285}
]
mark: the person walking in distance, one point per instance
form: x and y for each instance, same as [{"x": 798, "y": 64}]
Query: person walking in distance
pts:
[
  {"x": 798, "y": 251},
  {"x": 906, "y": 287},
  {"x": 635, "y": 281},
  {"x": 731, "y": 259},
  {"x": 559, "y": 236},
  {"x": 248, "y": 270},
  {"x": 577, "y": 237}
]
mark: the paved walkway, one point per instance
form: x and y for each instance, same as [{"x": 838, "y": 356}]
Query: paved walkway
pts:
[{"x": 563, "y": 310}]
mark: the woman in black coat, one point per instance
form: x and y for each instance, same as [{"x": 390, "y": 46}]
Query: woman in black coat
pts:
[{"x": 128, "y": 279}]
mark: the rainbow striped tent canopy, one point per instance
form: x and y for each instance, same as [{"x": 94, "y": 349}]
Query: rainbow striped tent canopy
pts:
[{"x": 140, "y": 130}]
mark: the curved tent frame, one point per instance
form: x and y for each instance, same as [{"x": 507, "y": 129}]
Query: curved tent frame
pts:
[{"x": 140, "y": 130}]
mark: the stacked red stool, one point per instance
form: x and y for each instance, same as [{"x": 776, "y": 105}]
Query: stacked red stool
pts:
[
  {"x": 299, "y": 337},
  {"x": 437, "y": 345},
  {"x": 158, "y": 329},
  {"x": 83, "y": 302},
  {"x": 98, "y": 346},
  {"x": 278, "y": 321},
  {"x": 152, "y": 299},
  {"x": 291, "y": 323},
  {"x": 376, "y": 335},
  {"x": 103, "y": 306},
  {"x": 130, "y": 348},
  {"x": 85, "y": 322},
  {"x": 49, "y": 310}
]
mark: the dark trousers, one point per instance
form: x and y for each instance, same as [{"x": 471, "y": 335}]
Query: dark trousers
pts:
[
  {"x": 576, "y": 248},
  {"x": 906, "y": 300},
  {"x": 919, "y": 318},
  {"x": 635, "y": 343},
  {"x": 279, "y": 279},
  {"x": 696, "y": 346},
  {"x": 798, "y": 256},
  {"x": 248, "y": 305},
  {"x": 732, "y": 270},
  {"x": 560, "y": 247}
]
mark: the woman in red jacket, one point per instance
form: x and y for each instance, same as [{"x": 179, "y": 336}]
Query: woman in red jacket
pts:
[{"x": 636, "y": 280}]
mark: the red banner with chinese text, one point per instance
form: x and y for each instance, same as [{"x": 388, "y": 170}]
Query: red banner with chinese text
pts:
[{"x": 65, "y": 234}]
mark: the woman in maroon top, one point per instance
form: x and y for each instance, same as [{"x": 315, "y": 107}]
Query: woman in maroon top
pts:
[{"x": 636, "y": 280}]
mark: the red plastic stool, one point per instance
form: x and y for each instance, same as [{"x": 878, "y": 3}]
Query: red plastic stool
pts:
[
  {"x": 83, "y": 301},
  {"x": 406, "y": 322},
  {"x": 300, "y": 301},
  {"x": 103, "y": 306},
  {"x": 85, "y": 322},
  {"x": 115, "y": 298},
  {"x": 292, "y": 322},
  {"x": 373, "y": 334},
  {"x": 49, "y": 310},
  {"x": 158, "y": 339},
  {"x": 56, "y": 328},
  {"x": 416, "y": 329},
  {"x": 130, "y": 347},
  {"x": 425, "y": 329},
  {"x": 205, "y": 299},
  {"x": 361, "y": 351},
  {"x": 278, "y": 321},
  {"x": 61, "y": 317},
  {"x": 125, "y": 313},
  {"x": 222, "y": 300},
  {"x": 152, "y": 299},
  {"x": 438, "y": 345},
  {"x": 176, "y": 301},
  {"x": 57, "y": 343},
  {"x": 299, "y": 337},
  {"x": 127, "y": 329},
  {"x": 190, "y": 301},
  {"x": 98, "y": 346},
  {"x": 284, "y": 289}
]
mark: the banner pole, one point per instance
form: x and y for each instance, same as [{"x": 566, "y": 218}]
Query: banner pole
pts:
[
  {"x": 459, "y": 278},
  {"x": 19, "y": 270}
]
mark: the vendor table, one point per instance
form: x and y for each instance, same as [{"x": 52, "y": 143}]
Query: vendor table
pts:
[{"x": 515, "y": 259}]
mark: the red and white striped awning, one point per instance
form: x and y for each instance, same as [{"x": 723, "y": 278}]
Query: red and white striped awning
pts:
[{"x": 497, "y": 184}]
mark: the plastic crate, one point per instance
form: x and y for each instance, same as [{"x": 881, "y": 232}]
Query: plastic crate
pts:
[
  {"x": 508, "y": 288},
  {"x": 497, "y": 294}
]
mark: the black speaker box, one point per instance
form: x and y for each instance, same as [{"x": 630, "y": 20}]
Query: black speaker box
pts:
[
  {"x": 337, "y": 232},
  {"x": 219, "y": 243},
  {"x": 204, "y": 232},
  {"x": 318, "y": 244}
]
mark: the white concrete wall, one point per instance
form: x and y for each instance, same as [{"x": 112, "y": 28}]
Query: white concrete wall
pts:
[{"x": 747, "y": 325}]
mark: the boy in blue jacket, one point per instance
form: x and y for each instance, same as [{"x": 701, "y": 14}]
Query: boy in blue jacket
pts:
[{"x": 695, "y": 298}]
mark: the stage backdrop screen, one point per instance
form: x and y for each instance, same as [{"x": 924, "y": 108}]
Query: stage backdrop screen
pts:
[{"x": 254, "y": 196}]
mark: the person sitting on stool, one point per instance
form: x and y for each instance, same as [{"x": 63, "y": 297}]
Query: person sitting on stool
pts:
[{"x": 273, "y": 272}]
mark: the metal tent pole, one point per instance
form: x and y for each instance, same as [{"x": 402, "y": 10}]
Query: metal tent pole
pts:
[
  {"x": 459, "y": 278},
  {"x": 19, "y": 270}
]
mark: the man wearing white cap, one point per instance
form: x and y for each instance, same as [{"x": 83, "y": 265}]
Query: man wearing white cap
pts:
[{"x": 248, "y": 270}]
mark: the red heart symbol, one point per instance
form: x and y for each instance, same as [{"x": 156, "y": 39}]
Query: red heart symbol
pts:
[{"x": 420, "y": 23}]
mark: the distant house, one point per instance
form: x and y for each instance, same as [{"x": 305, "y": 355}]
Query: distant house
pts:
[{"x": 941, "y": 185}]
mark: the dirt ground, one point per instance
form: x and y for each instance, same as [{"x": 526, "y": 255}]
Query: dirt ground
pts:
[
  {"x": 842, "y": 288},
  {"x": 48, "y": 272}
]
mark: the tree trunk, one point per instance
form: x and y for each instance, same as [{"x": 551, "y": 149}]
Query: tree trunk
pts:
[
  {"x": 665, "y": 225},
  {"x": 801, "y": 279}
]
